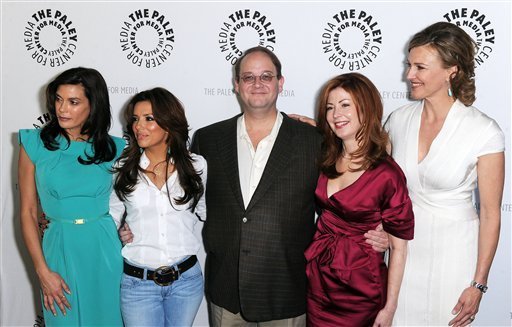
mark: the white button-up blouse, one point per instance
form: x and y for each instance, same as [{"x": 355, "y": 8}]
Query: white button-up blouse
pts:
[{"x": 163, "y": 234}]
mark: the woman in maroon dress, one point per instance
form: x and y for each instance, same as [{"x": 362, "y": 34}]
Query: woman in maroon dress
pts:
[{"x": 360, "y": 186}]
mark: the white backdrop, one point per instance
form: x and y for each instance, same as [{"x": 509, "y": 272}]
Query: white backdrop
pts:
[{"x": 189, "y": 48}]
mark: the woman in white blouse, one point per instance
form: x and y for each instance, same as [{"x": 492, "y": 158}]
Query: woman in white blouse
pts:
[{"x": 159, "y": 185}]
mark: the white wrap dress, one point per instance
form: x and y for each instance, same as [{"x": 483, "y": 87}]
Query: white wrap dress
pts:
[{"x": 441, "y": 259}]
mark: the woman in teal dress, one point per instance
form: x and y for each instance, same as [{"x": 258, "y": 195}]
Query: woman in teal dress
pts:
[{"x": 67, "y": 165}]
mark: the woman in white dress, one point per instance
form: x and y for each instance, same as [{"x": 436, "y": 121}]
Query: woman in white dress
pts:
[{"x": 446, "y": 147}]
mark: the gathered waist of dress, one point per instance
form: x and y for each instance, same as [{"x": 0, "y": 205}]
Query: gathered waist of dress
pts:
[
  {"x": 78, "y": 220},
  {"x": 354, "y": 226},
  {"x": 452, "y": 209}
]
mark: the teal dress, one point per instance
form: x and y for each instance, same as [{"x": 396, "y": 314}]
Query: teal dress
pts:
[{"x": 81, "y": 242}]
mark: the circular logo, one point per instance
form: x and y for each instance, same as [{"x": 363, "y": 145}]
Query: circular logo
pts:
[
  {"x": 147, "y": 38},
  {"x": 50, "y": 37},
  {"x": 478, "y": 26},
  {"x": 245, "y": 29},
  {"x": 352, "y": 39},
  {"x": 42, "y": 120}
]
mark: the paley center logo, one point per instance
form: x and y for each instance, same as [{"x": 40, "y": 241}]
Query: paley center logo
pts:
[
  {"x": 50, "y": 37},
  {"x": 147, "y": 38},
  {"x": 478, "y": 26},
  {"x": 352, "y": 39},
  {"x": 245, "y": 28}
]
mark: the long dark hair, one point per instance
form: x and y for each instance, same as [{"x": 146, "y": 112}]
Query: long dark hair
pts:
[
  {"x": 96, "y": 126},
  {"x": 372, "y": 139},
  {"x": 170, "y": 116}
]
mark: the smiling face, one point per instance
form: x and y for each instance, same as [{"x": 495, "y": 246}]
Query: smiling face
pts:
[
  {"x": 258, "y": 95},
  {"x": 342, "y": 116},
  {"x": 426, "y": 74},
  {"x": 148, "y": 133},
  {"x": 72, "y": 108}
]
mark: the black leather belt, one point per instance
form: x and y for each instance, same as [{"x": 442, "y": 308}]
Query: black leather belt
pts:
[{"x": 164, "y": 275}]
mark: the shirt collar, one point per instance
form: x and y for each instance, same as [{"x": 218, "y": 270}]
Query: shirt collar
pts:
[
  {"x": 242, "y": 129},
  {"x": 144, "y": 160}
]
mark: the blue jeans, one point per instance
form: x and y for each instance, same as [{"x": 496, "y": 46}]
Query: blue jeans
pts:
[{"x": 144, "y": 303}]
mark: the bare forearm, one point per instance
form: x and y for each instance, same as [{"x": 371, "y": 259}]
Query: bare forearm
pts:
[
  {"x": 491, "y": 175},
  {"x": 397, "y": 259},
  {"x": 32, "y": 240},
  {"x": 489, "y": 232},
  {"x": 28, "y": 209}
]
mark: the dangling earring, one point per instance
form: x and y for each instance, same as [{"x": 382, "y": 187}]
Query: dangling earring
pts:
[
  {"x": 141, "y": 150},
  {"x": 449, "y": 81}
]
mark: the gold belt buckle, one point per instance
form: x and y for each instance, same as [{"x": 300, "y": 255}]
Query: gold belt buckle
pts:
[{"x": 79, "y": 221}]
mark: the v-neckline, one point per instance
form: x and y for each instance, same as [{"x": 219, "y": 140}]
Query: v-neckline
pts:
[
  {"x": 343, "y": 189},
  {"x": 436, "y": 138},
  {"x": 163, "y": 185}
]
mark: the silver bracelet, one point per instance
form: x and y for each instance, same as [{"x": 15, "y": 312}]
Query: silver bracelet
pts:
[{"x": 482, "y": 288}]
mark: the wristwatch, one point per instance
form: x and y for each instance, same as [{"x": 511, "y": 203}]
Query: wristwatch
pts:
[{"x": 482, "y": 288}]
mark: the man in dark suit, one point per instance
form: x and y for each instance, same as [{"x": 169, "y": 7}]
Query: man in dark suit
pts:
[
  {"x": 262, "y": 175},
  {"x": 260, "y": 211}
]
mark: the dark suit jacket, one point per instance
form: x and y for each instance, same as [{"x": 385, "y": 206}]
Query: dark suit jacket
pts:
[{"x": 255, "y": 257}]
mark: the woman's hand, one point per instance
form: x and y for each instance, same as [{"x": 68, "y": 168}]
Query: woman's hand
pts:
[
  {"x": 467, "y": 307},
  {"x": 53, "y": 287},
  {"x": 43, "y": 224},
  {"x": 384, "y": 318},
  {"x": 125, "y": 234}
]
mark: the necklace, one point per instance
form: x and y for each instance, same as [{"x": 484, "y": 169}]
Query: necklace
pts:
[{"x": 159, "y": 170}]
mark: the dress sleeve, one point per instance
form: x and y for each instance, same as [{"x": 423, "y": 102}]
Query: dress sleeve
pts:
[
  {"x": 493, "y": 140},
  {"x": 117, "y": 208},
  {"x": 32, "y": 143},
  {"x": 388, "y": 122},
  {"x": 120, "y": 145},
  {"x": 397, "y": 214}
]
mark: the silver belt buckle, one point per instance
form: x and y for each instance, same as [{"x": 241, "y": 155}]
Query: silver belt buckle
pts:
[{"x": 164, "y": 272}]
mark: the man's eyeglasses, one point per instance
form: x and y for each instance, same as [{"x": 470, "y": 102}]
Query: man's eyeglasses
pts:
[{"x": 251, "y": 79}]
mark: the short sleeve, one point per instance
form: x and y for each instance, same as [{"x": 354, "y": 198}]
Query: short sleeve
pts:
[
  {"x": 397, "y": 214},
  {"x": 32, "y": 143},
  {"x": 388, "y": 122},
  {"x": 493, "y": 140},
  {"x": 120, "y": 145}
]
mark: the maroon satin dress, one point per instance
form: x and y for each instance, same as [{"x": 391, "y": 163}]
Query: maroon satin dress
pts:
[{"x": 347, "y": 278}]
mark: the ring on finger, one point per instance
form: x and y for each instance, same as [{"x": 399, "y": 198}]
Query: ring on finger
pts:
[{"x": 472, "y": 318}]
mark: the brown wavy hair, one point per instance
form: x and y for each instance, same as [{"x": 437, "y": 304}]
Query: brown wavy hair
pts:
[
  {"x": 371, "y": 137},
  {"x": 455, "y": 48}
]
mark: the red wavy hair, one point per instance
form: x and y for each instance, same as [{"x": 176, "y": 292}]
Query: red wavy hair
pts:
[{"x": 371, "y": 138}]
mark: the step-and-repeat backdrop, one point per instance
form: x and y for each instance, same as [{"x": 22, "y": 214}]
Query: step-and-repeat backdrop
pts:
[{"x": 190, "y": 48}]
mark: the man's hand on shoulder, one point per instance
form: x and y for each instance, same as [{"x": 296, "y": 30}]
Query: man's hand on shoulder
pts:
[{"x": 304, "y": 119}]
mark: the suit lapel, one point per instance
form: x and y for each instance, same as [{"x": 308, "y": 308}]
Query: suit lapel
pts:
[
  {"x": 278, "y": 160},
  {"x": 228, "y": 155}
]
